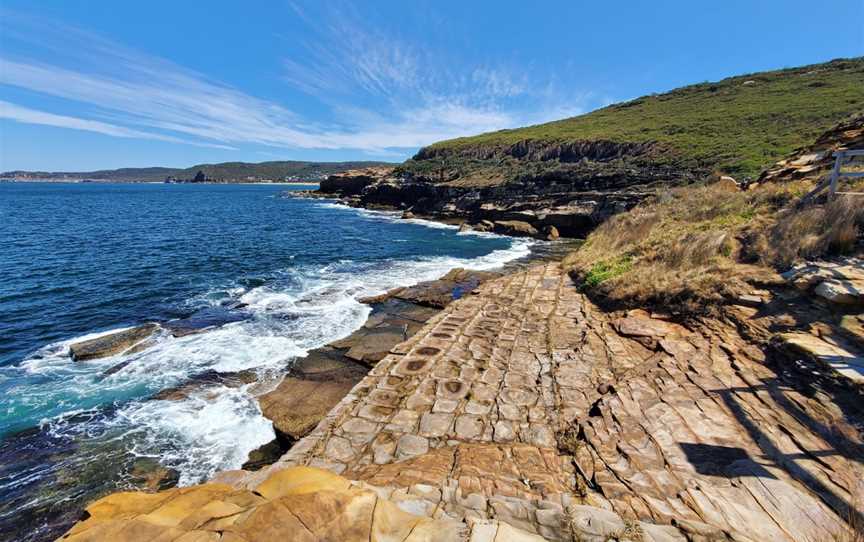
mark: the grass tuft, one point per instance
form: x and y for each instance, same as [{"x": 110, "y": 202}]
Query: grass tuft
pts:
[{"x": 604, "y": 270}]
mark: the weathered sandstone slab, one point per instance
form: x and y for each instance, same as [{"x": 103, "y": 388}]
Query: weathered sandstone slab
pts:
[
  {"x": 440, "y": 292},
  {"x": 111, "y": 343},
  {"x": 840, "y": 282},
  {"x": 840, "y": 357},
  {"x": 299, "y": 504},
  {"x": 314, "y": 386}
]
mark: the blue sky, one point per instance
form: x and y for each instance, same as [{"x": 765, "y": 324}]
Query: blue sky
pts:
[{"x": 90, "y": 85}]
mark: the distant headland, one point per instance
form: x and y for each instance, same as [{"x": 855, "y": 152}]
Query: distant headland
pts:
[{"x": 226, "y": 172}]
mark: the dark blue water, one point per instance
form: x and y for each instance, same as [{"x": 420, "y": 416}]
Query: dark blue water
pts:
[{"x": 271, "y": 277}]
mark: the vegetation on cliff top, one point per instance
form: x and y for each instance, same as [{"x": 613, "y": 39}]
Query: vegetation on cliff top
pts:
[{"x": 738, "y": 125}]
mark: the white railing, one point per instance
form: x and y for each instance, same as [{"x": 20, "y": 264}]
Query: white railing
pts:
[{"x": 842, "y": 158}]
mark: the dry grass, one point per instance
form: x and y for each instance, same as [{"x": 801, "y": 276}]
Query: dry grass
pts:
[
  {"x": 694, "y": 247},
  {"x": 831, "y": 228}
]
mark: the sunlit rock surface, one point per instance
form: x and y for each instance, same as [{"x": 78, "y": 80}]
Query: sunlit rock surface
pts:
[{"x": 525, "y": 411}]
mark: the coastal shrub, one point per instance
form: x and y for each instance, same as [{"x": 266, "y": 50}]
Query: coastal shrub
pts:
[{"x": 687, "y": 250}]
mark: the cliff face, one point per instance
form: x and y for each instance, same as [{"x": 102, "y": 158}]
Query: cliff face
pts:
[
  {"x": 570, "y": 187},
  {"x": 574, "y": 151}
]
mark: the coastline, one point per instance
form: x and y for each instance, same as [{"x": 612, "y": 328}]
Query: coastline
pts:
[
  {"x": 100, "y": 181},
  {"x": 324, "y": 363},
  {"x": 296, "y": 400},
  {"x": 525, "y": 410},
  {"x": 303, "y": 395}
]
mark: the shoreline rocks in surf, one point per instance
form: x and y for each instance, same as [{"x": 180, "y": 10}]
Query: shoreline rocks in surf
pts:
[
  {"x": 319, "y": 381},
  {"x": 110, "y": 344},
  {"x": 537, "y": 211},
  {"x": 293, "y": 306}
]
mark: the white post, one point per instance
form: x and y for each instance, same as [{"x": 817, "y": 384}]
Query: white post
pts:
[{"x": 838, "y": 162}]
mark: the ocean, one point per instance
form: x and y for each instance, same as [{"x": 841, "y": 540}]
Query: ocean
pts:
[{"x": 270, "y": 276}]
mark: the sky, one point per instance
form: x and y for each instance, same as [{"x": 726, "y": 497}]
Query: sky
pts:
[{"x": 90, "y": 85}]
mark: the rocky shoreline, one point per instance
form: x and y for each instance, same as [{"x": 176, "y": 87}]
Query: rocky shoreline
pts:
[
  {"x": 545, "y": 214},
  {"x": 317, "y": 382},
  {"x": 490, "y": 407},
  {"x": 294, "y": 401},
  {"x": 525, "y": 411}
]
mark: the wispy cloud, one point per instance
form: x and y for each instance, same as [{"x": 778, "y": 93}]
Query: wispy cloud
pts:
[
  {"x": 418, "y": 92},
  {"x": 383, "y": 93},
  {"x": 26, "y": 115}
]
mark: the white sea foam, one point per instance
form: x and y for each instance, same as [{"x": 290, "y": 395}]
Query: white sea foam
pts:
[
  {"x": 212, "y": 430},
  {"x": 215, "y": 428}
]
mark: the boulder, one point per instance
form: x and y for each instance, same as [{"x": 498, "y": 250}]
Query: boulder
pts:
[
  {"x": 847, "y": 273},
  {"x": 841, "y": 292},
  {"x": 646, "y": 330},
  {"x": 727, "y": 184},
  {"x": 406, "y": 215},
  {"x": 111, "y": 343},
  {"x": 551, "y": 233},
  {"x": 465, "y": 227},
  {"x": 749, "y": 300},
  {"x": 516, "y": 228}
]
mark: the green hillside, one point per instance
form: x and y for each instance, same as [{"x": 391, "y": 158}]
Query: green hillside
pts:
[{"x": 738, "y": 125}]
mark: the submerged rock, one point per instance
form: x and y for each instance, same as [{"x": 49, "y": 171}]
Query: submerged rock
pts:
[
  {"x": 203, "y": 381},
  {"x": 112, "y": 343},
  {"x": 148, "y": 474}
]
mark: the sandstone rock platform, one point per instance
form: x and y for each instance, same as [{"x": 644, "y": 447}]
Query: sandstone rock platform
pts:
[{"x": 525, "y": 408}]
